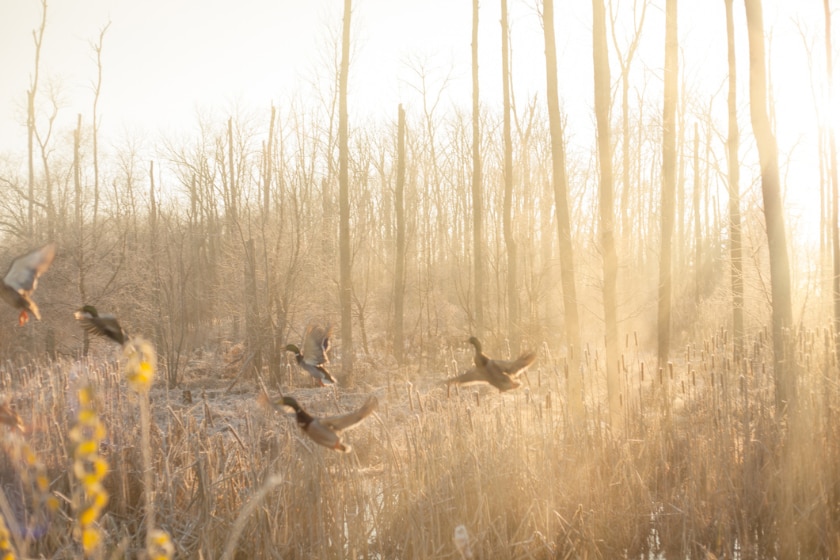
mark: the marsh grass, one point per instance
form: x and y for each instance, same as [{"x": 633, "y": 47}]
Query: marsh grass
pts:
[{"x": 703, "y": 464}]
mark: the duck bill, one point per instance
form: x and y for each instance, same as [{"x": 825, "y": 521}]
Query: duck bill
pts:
[{"x": 23, "y": 318}]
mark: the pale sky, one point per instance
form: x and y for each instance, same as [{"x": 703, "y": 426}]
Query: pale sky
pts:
[{"x": 164, "y": 59}]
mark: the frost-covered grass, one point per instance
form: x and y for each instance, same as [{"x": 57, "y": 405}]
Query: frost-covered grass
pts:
[{"x": 702, "y": 464}]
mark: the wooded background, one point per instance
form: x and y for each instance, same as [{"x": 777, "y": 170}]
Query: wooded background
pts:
[{"x": 464, "y": 221}]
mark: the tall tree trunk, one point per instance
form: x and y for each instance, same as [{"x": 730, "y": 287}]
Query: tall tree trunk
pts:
[
  {"x": 30, "y": 120},
  {"x": 399, "y": 268},
  {"x": 268, "y": 169},
  {"x": 253, "y": 340},
  {"x": 232, "y": 211},
  {"x": 561, "y": 209},
  {"x": 77, "y": 185},
  {"x": 669, "y": 155},
  {"x": 736, "y": 264},
  {"x": 832, "y": 165},
  {"x": 698, "y": 231},
  {"x": 345, "y": 280},
  {"x": 607, "y": 219},
  {"x": 784, "y": 369},
  {"x": 152, "y": 211},
  {"x": 773, "y": 211},
  {"x": 624, "y": 63},
  {"x": 513, "y": 329},
  {"x": 97, "y": 48},
  {"x": 478, "y": 206}
]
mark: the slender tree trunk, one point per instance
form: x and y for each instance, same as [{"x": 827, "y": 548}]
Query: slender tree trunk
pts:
[
  {"x": 268, "y": 158},
  {"x": 77, "y": 185},
  {"x": 96, "y": 92},
  {"x": 514, "y": 333},
  {"x": 606, "y": 197},
  {"x": 152, "y": 209},
  {"x": 773, "y": 211},
  {"x": 679, "y": 252},
  {"x": 832, "y": 170},
  {"x": 669, "y": 156},
  {"x": 30, "y": 120},
  {"x": 232, "y": 211},
  {"x": 698, "y": 231},
  {"x": 736, "y": 265},
  {"x": 624, "y": 62},
  {"x": 30, "y": 134},
  {"x": 399, "y": 268},
  {"x": 561, "y": 209},
  {"x": 252, "y": 315},
  {"x": 478, "y": 206},
  {"x": 345, "y": 281}
]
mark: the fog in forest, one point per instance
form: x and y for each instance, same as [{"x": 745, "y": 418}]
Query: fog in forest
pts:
[{"x": 570, "y": 272}]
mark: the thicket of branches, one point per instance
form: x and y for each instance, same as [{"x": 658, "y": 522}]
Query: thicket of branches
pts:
[
  {"x": 230, "y": 231},
  {"x": 169, "y": 247}
]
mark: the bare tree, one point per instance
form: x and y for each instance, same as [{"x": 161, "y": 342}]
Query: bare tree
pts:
[
  {"x": 512, "y": 272},
  {"x": 669, "y": 161},
  {"x": 773, "y": 212},
  {"x": 478, "y": 206},
  {"x": 399, "y": 267},
  {"x": 561, "y": 203},
  {"x": 624, "y": 63},
  {"x": 97, "y": 90},
  {"x": 43, "y": 140},
  {"x": 832, "y": 164},
  {"x": 79, "y": 211},
  {"x": 233, "y": 190},
  {"x": 345, "y": 266},
  {"x": 38, "y": 36},
  {"x": 736, "y": 264},
  {"x": 268, "y": 152},
  {"x": 600, "y": 57},
  {"x": 698, "y": 230}
]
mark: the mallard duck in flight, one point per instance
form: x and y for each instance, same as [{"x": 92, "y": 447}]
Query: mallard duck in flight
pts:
[
  {"x": 325, "y": 431},
  {"x": 21, "y": 280},
  {"x": 316, "y": 344},
  {"x": 501, "y": 374},
  {"x": 101, "y": 325}
]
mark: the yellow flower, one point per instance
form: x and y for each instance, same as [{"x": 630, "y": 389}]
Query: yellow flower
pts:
[
  {"x": 90, "y": 539},
  {"x": 89, "y": 468},
  {"x": 87, "y": 448},
  {"x": 6, "y": 551},
  {"x": 139, "y": 363},
  {"x": 160, "y": 546}
]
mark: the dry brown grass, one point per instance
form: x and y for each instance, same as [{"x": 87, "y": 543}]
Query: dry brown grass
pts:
[{"x": 710, "y": 470}]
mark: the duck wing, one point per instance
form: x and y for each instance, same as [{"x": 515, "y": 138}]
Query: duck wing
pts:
[
  {"x": 316, "y": 343},
  {"x": 24, "y": 271},
  {"x": 469, "y": 377},
  {"x": 102, "y": 325},
  {"x": 351, "y": 419},
  {"x": 513, "y": 367}
]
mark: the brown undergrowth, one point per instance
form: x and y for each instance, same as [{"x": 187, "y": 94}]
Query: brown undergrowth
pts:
[{"x": 702, "y": 467}]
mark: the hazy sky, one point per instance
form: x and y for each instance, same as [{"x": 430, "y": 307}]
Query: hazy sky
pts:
[{"x": 164, "y": 59}]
